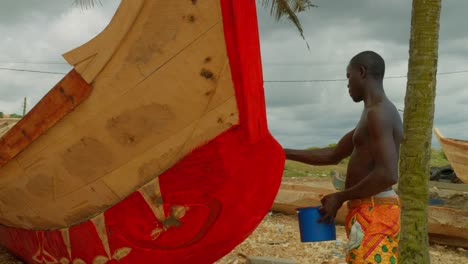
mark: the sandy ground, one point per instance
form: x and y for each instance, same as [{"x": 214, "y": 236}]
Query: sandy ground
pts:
[
  {"x": 278, "y": 236},
  {"x": 6, "y": 258}
]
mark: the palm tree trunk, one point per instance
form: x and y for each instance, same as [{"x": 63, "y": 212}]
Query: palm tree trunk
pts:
[{"x": 418, "y": 122}]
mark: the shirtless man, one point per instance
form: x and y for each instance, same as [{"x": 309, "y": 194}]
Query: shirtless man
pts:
[{"x": 373, "y": 221}]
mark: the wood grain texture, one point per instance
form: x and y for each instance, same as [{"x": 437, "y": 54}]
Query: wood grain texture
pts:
[
  {"x": 162, "y": 127},
  {"x": 161, "y": 87},
  {"x": 456, "y": 151},
  {"x": 70, "y": 92}
]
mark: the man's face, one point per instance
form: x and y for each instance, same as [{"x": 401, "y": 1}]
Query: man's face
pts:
[{"x": 354, "y": 83}]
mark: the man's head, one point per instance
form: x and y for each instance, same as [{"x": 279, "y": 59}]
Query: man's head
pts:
[{"x": 364, "y": 68}]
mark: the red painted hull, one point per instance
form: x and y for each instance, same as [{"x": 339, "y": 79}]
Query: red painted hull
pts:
[{"x": 227, "y": 185}]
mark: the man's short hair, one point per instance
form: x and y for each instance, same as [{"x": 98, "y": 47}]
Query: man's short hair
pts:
[{"x": 373, "y": 62}]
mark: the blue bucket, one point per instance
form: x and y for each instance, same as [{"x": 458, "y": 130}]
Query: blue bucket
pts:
[
  {"x": 311, "y": 230},
  {"x": 436, "y": 201}
]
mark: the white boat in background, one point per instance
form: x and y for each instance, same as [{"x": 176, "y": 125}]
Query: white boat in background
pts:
[{"x": 456, "y": 151}]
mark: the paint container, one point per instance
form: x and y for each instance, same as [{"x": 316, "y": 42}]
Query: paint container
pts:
[
  {"x": 311, "y": 230},
  {"x": 436, "y": 201}
]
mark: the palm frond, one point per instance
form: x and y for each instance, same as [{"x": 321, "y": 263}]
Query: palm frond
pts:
[
  {"x": 86, "y": 4},
  {"x": 278, "y": 8},
  {"x": 289, "y": 8}
]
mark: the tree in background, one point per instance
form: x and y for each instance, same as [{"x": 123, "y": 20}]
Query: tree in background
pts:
[
  {"x": 15, "y": 116},
  {"x": 415, "y": 153}
]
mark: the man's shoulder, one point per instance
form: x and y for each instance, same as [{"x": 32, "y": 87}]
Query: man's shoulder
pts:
[
  {"x": 385, "y": 109},
  {"x": 377, "y": 112},
  {"x": 382, "y": 115}
]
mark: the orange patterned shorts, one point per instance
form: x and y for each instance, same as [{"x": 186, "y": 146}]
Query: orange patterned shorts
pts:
[{"x": 373, "y": 230}]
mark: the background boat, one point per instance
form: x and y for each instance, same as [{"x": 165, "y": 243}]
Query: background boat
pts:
[
  {"x": 456, "y": 151},
  {"x": 153, "y": 149}
]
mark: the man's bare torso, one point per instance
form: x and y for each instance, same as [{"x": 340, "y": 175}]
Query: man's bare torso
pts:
[{"x": 361, "y": 162}]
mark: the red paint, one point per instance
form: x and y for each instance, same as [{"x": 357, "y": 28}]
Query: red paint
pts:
[
  {"x": 228, "y": 185},
  {"x": 243, "y": 46},
  {"x": 71, "y": 91}
]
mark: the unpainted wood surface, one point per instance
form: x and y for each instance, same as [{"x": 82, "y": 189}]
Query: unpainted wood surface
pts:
[
  {"x": 443, "y": 222},
  {"x": 165, "y": 90},
  {"x": 70, "y": 92},
  {"x": 457, "y": 153}
]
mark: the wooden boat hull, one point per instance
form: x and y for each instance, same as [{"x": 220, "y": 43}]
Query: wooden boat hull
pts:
[
  {"x": 186, "y": 191},
  {"x": 457, "y": 153},
  {"x": 446, "y": 225}
]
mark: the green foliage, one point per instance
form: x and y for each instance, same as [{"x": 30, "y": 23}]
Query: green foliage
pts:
[
  {"x": 1, "y": 115},
  {"x": 345, "y": 160},
  {"x": 311, "y": 148},
  {"x": 15, "y": 116},
  {"x": 438, "y": 158},
  {"x": 328, "y": 146},
  {"x": 297, "y": 169}
]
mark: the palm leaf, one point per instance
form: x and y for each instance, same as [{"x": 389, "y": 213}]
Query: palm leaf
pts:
[
  {"x": 289, "y": 8},
  {"x": 86, "y": 4},
  {"x": 278, "y": 8}
]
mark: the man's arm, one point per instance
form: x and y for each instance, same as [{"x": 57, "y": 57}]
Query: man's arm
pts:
[
  {"x": 384, "y": 174},
  {"x": 324, "y": 156}
]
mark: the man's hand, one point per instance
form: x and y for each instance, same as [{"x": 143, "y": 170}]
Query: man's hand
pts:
[{"x": 330, "y": 205}]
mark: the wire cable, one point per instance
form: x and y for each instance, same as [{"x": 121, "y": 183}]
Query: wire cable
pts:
[
  {"x": 33, "y": 71},
  {"x": 342, "y": 80}
]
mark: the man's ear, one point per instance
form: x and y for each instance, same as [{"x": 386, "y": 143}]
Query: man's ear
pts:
[{"x": 363, "y": 71}]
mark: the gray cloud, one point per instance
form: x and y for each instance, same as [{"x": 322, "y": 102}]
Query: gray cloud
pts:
[
  {"x": 336, "y": 31},
  {"x": 299, "y": 114},
  {"x": 34, "y": 30},
  {"x": 14, "y": 12}
]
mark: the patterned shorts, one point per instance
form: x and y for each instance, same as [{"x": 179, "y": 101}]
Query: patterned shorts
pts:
[{"x": 373, "y": 233}]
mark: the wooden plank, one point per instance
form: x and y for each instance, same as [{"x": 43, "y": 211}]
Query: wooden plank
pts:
[
  {"x": 449, "y": 186},
  {"x": 447, "y": 240},
  {"x": 442, "y": 222},
  {"x": 70, "y": 92},
  {"x": 287, "y": 202},
  {"x": 165, "y": 91}
]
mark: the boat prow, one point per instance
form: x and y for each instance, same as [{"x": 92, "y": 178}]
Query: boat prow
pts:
[
  {"x": 160, "y": 85},
  {"x": 456, "y": 151},
  {"x": 150, "y": 147}
]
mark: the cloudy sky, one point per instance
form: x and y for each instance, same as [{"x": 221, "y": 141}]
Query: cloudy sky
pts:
[{"x": 300, "y": 114}]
